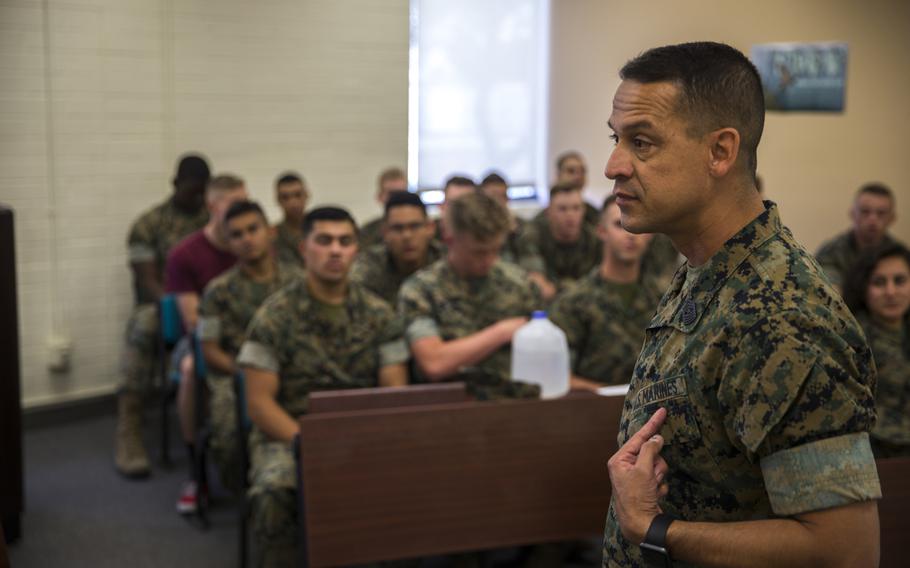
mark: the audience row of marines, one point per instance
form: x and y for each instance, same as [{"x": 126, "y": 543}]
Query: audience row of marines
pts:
[{"x": 313, "y": 303}]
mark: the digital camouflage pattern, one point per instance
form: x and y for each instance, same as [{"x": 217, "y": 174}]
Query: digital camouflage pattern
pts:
[
  {"x": 291, "y": 335},
  {"x": 370, "y": 234},
  {"x": 228, "y": 304},
  {"x": 561, "y": 263},
  {"x": 604, "y": 330},
  {"x": 150, "y": 238},
  {"x": 436, "y": 302},
  {"x": 287, "y": 244},
  {"x": 155, "y": 233},
  {"x": 839, "y": 255},
  {"x": 376, "y": 271},
  {"x": 767, "y": 380},
  {"x": 891, "y": 350},
  {"x": 138, "y": 361},
  {"x": 310, "y": 350}
]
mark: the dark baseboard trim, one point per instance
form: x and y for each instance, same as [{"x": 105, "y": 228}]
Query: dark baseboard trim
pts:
[{"x": 61, "y": 413}]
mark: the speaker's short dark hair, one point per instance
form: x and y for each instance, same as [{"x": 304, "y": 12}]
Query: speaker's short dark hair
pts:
[
  {"x": 403, "y": 199},
  {"x": 239, "y": 208},
  {"x": 718, "y": 88},
  {"x": 329, "y": 213}
]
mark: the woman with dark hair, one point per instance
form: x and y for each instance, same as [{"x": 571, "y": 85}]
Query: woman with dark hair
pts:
[{"x": 878, "y": 292}]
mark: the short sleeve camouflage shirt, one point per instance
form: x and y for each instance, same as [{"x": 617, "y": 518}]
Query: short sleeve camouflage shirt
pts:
[
  {"x": 767, "y": 380},
  {"x": 292, "y": 336},
  {"x": 375, "y": 270},
  {"x": 156, "y": 232},
  {"x": 436, "y": 302},
  {"x": 604, "y": 331},
  {"x": 231, "y": 300}
]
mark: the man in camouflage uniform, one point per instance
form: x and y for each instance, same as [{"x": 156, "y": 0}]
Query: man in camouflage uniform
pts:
[
  {"x": 461, "y": 312},
  {"x": 871, "y": 215},
  {"x": 390, "y": 181},
  {"x": 321, "y": 332},
  {"x": 605, "y": 314},
  {"x": 292, "y": 195},
  {"x": 744, "y": 437},
  {"x": 150, "y": 239},
  {"x": 515, "y": 249},
  {"x": 408, "y": 246},
  {"x": 566, "y": 248},
  {"x": 226, "y": 309}
]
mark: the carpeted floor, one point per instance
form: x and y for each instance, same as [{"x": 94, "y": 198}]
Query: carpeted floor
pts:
[{"x": 80, "y": 512}]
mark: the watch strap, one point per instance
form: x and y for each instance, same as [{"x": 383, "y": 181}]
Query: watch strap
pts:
[{"x": 657, "y": 532}]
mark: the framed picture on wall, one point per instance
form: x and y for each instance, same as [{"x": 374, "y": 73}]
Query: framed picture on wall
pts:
[{"x": 802, "y": 76}]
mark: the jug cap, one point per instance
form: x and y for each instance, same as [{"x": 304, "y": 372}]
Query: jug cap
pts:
[{"x": 539, "y": 314}]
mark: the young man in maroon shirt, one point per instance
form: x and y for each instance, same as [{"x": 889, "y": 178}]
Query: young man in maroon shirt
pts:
[{"x": 191, "y": 264}]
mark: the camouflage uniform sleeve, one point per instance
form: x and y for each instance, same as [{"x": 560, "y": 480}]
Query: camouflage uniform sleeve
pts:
[
  {"x": 416, "y": 311},
  {"x": 571, "y": 322},
  {"x": 796, "y": 396},
  {"x": 141, "y": 240},
  {"x": 209, "y": 321},
  {"x": 260, "y": 349}
]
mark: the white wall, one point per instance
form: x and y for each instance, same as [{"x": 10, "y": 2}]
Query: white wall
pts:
[{"x": 99, "y": 97}]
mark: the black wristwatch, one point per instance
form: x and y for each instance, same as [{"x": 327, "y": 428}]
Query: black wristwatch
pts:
[{"x": 654, "y": 548}]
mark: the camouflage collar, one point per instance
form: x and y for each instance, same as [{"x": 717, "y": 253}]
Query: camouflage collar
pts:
[{"x": 683, "y": 306}]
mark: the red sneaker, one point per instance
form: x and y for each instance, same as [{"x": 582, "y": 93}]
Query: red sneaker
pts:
[{"x": 186, "y": 503}]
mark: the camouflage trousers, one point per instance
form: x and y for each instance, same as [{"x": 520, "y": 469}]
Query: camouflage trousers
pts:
[
  {"x": 223, "y": 443},
  {"x": 139, "y": 364},
  {"x": 273, "y": 500}
]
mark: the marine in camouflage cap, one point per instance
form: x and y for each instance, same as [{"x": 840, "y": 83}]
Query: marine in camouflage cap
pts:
[
  {"x": 605, "y": 314},
  {"x": 469, "y": 295},
  {"x": 871, "y": 214},
  {"x": 226, "y": 308},
  {"x": 408, "y": 245},
  {"x": 321, "y": 332},
  {"x": 751, "y": 400},
  {"x": 878, "y": 291}
]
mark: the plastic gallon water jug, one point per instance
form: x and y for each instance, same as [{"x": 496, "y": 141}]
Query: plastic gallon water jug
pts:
[{"x": 540, "y": 356}]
